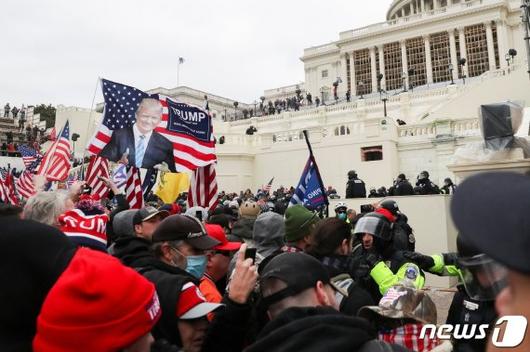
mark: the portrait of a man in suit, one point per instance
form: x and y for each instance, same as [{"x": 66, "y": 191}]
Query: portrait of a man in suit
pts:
[{"x": 139, "y": 145}]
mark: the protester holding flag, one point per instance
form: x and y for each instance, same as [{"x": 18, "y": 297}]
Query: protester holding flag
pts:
[{"x": 56, "y": 163}]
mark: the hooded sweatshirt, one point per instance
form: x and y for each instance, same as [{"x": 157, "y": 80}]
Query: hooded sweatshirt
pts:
[
  {"x": 313, "y": 329},
  {"x": 269, "y": 232}
]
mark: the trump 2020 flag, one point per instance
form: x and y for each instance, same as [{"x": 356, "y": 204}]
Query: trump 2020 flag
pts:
[{"x": 310, "y": 190}]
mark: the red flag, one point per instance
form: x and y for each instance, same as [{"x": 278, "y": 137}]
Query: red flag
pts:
[
  {"x": 133, "y": 188},
  {"x": 203, "y": 188},
  {"x": 97, "y": 167},
  {"x": 25, "y": 186},
  {"x": 55, "y": 164},
  {"x": 7, "y": 189}
]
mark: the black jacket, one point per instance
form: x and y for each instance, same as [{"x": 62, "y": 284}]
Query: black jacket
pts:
[
  {"x": 355, "y": 188},
  {"x": 465, "y": 310},
  {"x": 158, "y": 149},
  {"x": 314, "y": 329},
  {"x": 425, "y": 186},
  {"x": 401, "y": 188}
]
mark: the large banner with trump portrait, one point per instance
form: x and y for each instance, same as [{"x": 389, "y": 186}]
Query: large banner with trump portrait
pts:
[{"x": 145, "y": 131}]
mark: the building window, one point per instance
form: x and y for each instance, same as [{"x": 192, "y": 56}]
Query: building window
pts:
[
  {"x": 440, "y": 57},
  {"x": 416, "y": 61},
  {"x": 372, "y": 153},
  {"x": 324, "y": 73},
  {"x": 363, "y": 71},
  {"x": 477, "y": 50},
  {"x": 393, "y": 67}
]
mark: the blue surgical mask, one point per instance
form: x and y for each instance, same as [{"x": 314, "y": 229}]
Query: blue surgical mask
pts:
[
  {"x": 196, "y": 265},
  {"x": 341, "y": 216}
]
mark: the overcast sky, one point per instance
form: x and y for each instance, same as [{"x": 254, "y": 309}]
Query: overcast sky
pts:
[{"x": 54, "y": 51}]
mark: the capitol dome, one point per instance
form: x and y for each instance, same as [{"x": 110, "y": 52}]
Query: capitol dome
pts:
[{"x": 404, "y": 8}]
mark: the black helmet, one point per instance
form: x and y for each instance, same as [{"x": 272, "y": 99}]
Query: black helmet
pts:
[
  {"x": 448, "y": 181},
  {"x": 424, "y": 174},
  {"x": 352, "y": 174},
  {"x": 483, "y": 277},
  {"x": 374, "y": 224},
  {"x": 390, "y": 205}
]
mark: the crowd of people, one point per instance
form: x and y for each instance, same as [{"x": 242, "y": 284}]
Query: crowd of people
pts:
[{"x": 93, "y": 275}]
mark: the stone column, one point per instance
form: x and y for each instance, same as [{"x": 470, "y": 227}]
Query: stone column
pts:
[
  {"x": 380, "y": 50},
  {"x": 454, "y": 58},
  {"x": 428, "y": 63},
  {"x": 403, "y": 11},
  {"x": 352, "y": 75},
  {"x": 422, "y": 5},
  {"x": 404, "y": 63},
  {"x": 491, "y": 48},
  {"x": 502, "y": 39},
  {"x": 435, "y": 5},
  {"x": 341, "y": 91},
  {"x": 462, "y": 42},
  {"x": 373, "y": 69}
]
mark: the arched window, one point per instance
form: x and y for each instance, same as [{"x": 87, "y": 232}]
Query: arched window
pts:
[
  {"x": 342, "y": 130},
  {"x": 347, "y": 130},
  {"x": 274, "y": 138}
]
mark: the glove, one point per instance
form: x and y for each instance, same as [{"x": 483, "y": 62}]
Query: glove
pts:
[
  {"x": 450, "y": 258},
  {"x": 423, "y": 261},
  {"x": 372, "y": 258}
]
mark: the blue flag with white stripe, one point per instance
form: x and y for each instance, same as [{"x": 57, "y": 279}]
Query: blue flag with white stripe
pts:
[{"x": 310, "y": 190}]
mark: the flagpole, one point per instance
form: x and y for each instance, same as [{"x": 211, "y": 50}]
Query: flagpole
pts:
[
  {"x": 312, "y": 157},
  {"x": 89, "y": 121}
]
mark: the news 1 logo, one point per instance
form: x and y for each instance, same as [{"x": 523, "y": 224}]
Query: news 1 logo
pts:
[{"x": 511, "y": 336}]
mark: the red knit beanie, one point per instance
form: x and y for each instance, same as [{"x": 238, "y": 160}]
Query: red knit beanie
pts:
[{"x": 97, "y": 304}]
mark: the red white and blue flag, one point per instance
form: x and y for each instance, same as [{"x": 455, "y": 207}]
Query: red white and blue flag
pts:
[
  {"x": 203, "y": 188},
  {"x": 120, "y": 175},
  {"x": 56, "y": 164},
  {"x": 188, "y": 127},
  {"x": 7, "y": 187},
  {"x": 25, "y": 185},
  {"x": 133, "y": 188},
  {"x": 97, "y": 167},
  {"x": 29, "y": 155}
]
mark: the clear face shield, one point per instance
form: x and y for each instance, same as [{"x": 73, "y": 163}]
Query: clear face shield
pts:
[{"x": 483, "y": 277}]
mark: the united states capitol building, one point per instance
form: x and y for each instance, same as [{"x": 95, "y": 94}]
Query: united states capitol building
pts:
[{"x": 430, "y": 65}]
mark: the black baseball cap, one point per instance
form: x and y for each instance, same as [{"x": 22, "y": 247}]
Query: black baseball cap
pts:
[
  {"x": 299, "y": 271},
  {"x": 147, "y": 213},
  {"x": 490, "y": 211},
  {"x": 184, "y": 228}
]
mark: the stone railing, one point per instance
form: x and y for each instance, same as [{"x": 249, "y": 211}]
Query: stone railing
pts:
[{"x": 457, "y": 128}]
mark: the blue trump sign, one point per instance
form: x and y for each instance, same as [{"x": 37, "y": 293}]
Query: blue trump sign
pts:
[{"x": 189, "y": 120}]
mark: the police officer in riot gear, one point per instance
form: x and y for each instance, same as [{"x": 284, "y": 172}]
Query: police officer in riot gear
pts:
[
  {"x": 402, "y": 234},
  {"x": 424, "y": 185},
  {"x": 355, "y": 187},
  {"x": 471, "y": 305},
  {"x": 401, "y": 187}
]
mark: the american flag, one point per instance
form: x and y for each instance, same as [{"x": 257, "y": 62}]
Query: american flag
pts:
[
  {"x": 25, "y": 185},
  {"x": 190, "y": 149},
  {"x": 29, "y": 155},
  {"x": 53, "y": 134},
  {"x": 97, "y": 167},
  {"x": 72, "y": 178},
  {"x": 133, "y": 188},
  {"x": 56, "y": 164},
  {"x": 268, "y": 186},
  {"x": 203, "y": 188},
  {"x": 120, "y": 175},
  {"x": 7, "y": 188}
]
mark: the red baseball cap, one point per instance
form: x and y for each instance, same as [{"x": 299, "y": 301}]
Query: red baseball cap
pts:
[
  {"x": 192, "y": 304},
  {"x": 217, "y": 232}
]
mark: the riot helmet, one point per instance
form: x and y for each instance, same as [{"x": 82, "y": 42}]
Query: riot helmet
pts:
[
  {"x": 352, "y": 174},
  {"x": 423, "y": 175},
  {"x": 374, "y": 224},
  {"x": 390, "y": 205},
  {"x": 483, "y": 277}
]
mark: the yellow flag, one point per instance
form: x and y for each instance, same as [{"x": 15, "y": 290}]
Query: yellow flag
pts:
[{"x": 171, "y": 185}]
